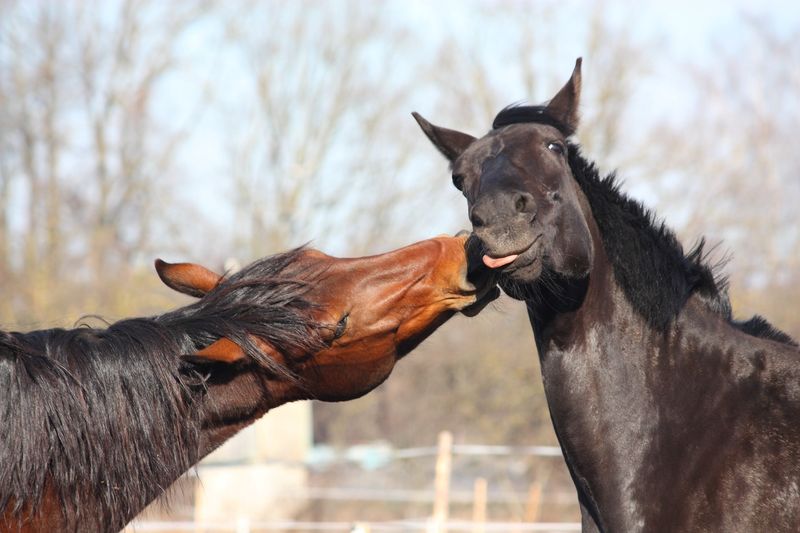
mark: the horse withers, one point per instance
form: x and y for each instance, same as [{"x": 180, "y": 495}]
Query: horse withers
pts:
[
  {"x": 672, "y": 416},
  {"x": 98, "y": 422}
]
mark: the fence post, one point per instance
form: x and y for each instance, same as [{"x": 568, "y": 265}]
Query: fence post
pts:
[
  {"x": 198, "y": 512},
  {"x": 534, "y": 502},
  {"x": 479, "y": 499},
  {"x": 444, "y": 465}
]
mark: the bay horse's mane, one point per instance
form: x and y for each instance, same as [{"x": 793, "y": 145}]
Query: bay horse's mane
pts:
[
  {"x": 649, "y": 263},
  {"x": 105, "y": 417}
]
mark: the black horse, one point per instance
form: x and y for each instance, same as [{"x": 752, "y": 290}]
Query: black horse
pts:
[{"x": 671, "y": 415}]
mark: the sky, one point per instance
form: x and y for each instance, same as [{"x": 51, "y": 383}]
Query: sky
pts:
[{"x": 681, "y": 33}]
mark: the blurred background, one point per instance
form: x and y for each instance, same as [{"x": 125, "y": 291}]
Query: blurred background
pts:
[{"x": 221, "y": 131}]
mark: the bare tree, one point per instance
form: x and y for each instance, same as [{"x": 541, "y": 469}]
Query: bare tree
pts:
[
  {"x": 730, "y": 168},
  {"x": 526, "y": 64},
  {"x": 83, "y": 146},
  {"x": 318, "y": 157}
]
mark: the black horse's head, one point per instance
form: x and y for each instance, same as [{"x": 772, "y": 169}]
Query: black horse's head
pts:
[{"x": 524, "y": 205}]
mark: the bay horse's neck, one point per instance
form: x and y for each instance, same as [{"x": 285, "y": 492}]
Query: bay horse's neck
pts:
[
  {"x": 234, "y": 402},
  {"x": 171, "y": 421},
  {"x": 230, "y": 403}
]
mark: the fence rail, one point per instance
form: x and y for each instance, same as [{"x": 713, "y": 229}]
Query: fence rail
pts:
[
  {"x": 409, "y": 526},
  {"x": 480, "y": 450},
  {"x": 440, "y": 496},
  {"x": 379, "y": 456},
  {"x": 411, "y": 495}
]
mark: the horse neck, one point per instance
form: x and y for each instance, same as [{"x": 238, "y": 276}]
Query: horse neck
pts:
[
  {"x": 232, "y": 400},
  {"x": 114, "y": 404},
  {"x": 593, "y": 363},
  {"x": 628, "y": 401},
  {"x": 619, "y": 395},
  {"x": 236, "y": 400}
]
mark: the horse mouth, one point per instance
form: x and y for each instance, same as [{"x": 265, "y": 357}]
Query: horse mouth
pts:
[
  {"x": 500, "y": 261},
  {"x": 512, "y": 261},
  {"x": 485, "y": 299}
]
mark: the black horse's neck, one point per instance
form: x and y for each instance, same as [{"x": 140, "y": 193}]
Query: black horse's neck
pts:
[
  {"x": 578, "y": 381},
  {"x": 590, "y": 337},
  {"x": 631, "y": 387}
]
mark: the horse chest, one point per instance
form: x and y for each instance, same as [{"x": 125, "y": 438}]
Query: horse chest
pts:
[{"x": 597, "y": 392}]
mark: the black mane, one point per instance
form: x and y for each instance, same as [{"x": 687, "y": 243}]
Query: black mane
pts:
[
  {"x": 521, "y": 114},
  {"x": 648, "y": 260},
  {"x": 106, "y": 418},
  {"x": 649, "y": 263}
]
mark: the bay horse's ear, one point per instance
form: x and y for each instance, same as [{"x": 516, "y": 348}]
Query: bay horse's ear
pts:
[
  {"x": 451, "y": 143},
  {"x": 221, "y": 351},
  {"x": 187, "y": 278},
  {"x": 564, "y": 105},
  {"x": 227, "y": 351}
]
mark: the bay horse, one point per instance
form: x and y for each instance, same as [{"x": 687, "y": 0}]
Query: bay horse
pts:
[
  {"x": 97, "y": 423},
  {"x": 671, "y": 415}
]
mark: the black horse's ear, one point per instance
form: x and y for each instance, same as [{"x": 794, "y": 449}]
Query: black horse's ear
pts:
[
  {"x": 564, "y": 105},
  {"x": 451, "y": 143},
  {"x": 187, "y": 278}
]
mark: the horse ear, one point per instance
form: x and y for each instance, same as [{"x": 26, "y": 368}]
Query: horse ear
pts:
[
  {"x": 451, "y": 143},
  {"x": 564, "y": 105},
  {"x": 227, "y": 351},
  {"x": 222, "y": 351},
  {"x": 187, "y": 278}
]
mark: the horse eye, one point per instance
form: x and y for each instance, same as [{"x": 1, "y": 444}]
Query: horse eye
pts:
[
  {"x": 340, "y": 327},
  {"x": 458, "y": 181},
  {"x": 556, "y": 147}
]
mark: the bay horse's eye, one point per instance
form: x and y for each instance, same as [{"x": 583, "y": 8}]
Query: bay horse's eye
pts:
[
  {"x": 556, "y": 147},
  {"x": 340, "y": 327},
  {"x": 458, "y": 181}
]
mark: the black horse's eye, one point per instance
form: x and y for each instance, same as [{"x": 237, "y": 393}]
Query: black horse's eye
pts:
[
  {"x": 458, "y": 181},
  {"x": 556, "y": 147},
  {"x": 340, "y": 327}
]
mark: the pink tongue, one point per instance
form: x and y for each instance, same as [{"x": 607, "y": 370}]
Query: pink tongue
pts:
[{"x": 497, "y": 263}]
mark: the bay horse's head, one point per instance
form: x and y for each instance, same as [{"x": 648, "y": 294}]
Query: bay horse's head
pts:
[
  {"x": 524, "y": 205},
  {"x": 362, "y": 316}
]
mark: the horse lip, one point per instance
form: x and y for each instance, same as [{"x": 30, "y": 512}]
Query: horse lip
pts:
[
  {"x": 506, "y": 260},
  {"x": 482, "y": 301},
  {"x": 516, "y": 266}
]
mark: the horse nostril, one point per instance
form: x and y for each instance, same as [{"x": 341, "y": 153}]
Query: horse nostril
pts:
[
  {"x": 524, "y": 203},
  {"x": 476, "y": 220}
]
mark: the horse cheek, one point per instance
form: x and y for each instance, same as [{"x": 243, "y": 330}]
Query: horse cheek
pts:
[{"x": 575, "y": 249}]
